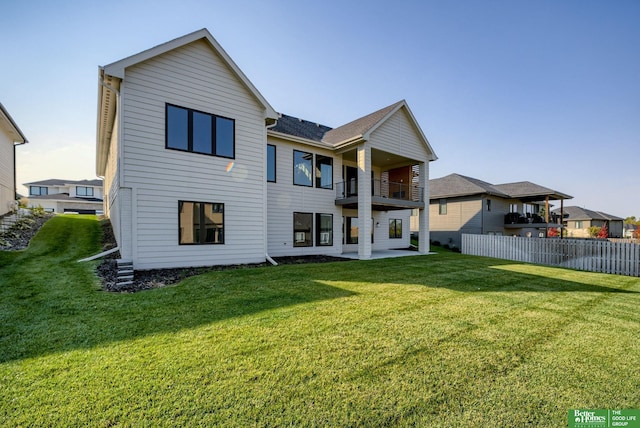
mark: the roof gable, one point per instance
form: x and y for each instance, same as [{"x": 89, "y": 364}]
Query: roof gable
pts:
[
  {"x": 359, "y": 127},
  {"x": 117, "y": 69}
]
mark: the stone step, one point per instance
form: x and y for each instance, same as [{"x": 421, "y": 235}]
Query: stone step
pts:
[{"x": 124, "y": 283}]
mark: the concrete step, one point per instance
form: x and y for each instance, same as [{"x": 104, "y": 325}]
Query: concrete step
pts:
[{"x": 124, "y": 283}]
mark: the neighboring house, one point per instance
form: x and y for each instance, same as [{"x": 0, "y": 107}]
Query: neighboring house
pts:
[
  {"x": 10, "y": 137},
  {"x": 578, "y": 220},
  {"x": 200, "y": 170},
  {"x": 629, "y": 230},
  {"x": 460, "y": 204},
  {"x": 60, "y": 196}
]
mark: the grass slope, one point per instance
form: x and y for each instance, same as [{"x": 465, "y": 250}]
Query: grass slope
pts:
[{"x": 440, "y": 340}]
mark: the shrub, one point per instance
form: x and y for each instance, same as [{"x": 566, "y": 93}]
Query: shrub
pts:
[{"x": 38, "y": 211}]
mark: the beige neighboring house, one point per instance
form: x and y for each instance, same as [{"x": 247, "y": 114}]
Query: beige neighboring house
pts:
[
  {"x": 10, "y": 137},
  {"x": 200, "y": 170},
  {"x": 578, "y": 220},
  {"x": 460, "y": 204},
  {"x": 62, "y": 196}
]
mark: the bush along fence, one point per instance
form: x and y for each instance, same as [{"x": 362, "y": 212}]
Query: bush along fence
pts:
[{"x": 622, "y": 258}]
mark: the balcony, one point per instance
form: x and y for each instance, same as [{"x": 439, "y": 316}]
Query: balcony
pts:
[
  {"x": 385, "y": 195},
  {"x": 519, "y": 221}
]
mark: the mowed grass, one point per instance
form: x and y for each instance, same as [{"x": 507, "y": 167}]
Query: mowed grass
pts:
[{"x": 439, "y": 340}]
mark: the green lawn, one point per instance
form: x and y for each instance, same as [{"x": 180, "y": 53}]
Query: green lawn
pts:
[{"x": 439, "y": 340}]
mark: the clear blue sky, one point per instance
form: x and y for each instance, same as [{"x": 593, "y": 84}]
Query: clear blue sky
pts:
[{"x": 543, "y": 91}]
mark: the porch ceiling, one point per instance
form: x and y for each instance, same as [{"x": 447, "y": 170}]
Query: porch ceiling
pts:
[{"x": 380, "y": 158}]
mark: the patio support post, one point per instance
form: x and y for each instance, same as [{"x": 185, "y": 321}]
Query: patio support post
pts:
[
  {"x": 364, "y": 201},
  {"x": 423, "y": 213}
]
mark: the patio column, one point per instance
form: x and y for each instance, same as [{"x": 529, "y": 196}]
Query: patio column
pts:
[
  {"x": 364, "y": 201},
  {"x": 423, "y": 213}
]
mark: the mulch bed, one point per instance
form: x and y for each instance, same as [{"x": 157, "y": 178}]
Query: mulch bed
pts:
[
  {"x": 156, "y": 278},
  {"x": 15, "y": 239}
]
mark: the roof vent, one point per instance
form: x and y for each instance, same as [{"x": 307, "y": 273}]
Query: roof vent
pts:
[{"x": 300, "y": 120}]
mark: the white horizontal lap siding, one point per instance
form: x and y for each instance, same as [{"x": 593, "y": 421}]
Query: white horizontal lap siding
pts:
[
  {"x": 284, "y": 198},
  {"x": 7, "y": 186},
  {"x": 192, "y": 77},
  {"x": 398, "y": 135}
]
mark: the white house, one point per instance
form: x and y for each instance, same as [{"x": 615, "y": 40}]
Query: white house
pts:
[
  {"x": 60, "y": 196},
  {"x": 200, "y": 170},
  {"x": 10, "y": 137}
]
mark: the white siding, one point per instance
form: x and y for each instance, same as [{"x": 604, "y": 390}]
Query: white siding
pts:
[
  {"x": 193, "y": 76},
  {"x": 7, "y": 185},
  {"x": 284, "y": 198},
  {"x": 398, "y": 135},
  {"x": 111, "y": 184}
]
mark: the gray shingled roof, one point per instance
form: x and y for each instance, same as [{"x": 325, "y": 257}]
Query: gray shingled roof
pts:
[
  {"x": 459, "y": 185},
  {"x": 528, "y": 190},
  {"x": 454, "y": 185},
  {"x": 313, "y": 131},
  {"x": 58, "y": 182},
  {"x": 579, "y": 213},
  {"x": 358, "y": 127},
  {"x": 300, "y": 128}
]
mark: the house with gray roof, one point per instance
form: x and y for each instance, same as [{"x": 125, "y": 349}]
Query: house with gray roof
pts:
[
  {"x": 10, "y": 137},
  {"x": 199, "y": 169},
  {"x": 578, "y": 220},
  {"x": 460, "y": 204},
  {"x": 64, "y": 196}
]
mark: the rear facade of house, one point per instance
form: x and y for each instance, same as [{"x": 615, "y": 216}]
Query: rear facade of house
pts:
[
  {"x": 200, "y": 170},
  {"x": 10, "y": 137}
]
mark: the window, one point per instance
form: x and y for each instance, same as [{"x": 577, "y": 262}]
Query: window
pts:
[
  {"x": 578, "y": 224},
  {"x": 38, "y": 191},
  {"x": 302, "y": 168},
  {"x": 302, "y": 225},
  {"x": 513, "y": 208},
  {"x": 271, "y": 163},
  {"x": 201, "y": 223},
  {"x": 443, "y": 207},
  {"x": 395, "y": 228},
  {"x": 324, "y": 172},
  {"x": 84, "y": 191},
  {"x": 198, "y": 132},
  {"x": 488, "y": 204},
  {"x": 324, "y": 229},
  {"x": 352, "y": 225}
]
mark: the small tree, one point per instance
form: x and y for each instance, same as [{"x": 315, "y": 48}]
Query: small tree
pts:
[
  {"x": 636, "y": 233},
  {"x": 603, "y": 233},
  {"x": 593, "y": 231}
]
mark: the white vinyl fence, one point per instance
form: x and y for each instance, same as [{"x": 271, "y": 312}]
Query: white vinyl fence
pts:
[{"x": 620, "y": 258}]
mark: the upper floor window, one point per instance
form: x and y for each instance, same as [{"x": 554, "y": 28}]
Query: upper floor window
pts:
[
  {"x": 194, "y": 131},
  {"x": 38, "y": 190},
  {"x": 271, "y": 163},
  {"x": 302, "y": 168},
  {"x": 488, "y": 204},
  {"x": 84, "y": 191},
  {"x": 442, "y": 210},
  {"x": 324, "y": 172}
]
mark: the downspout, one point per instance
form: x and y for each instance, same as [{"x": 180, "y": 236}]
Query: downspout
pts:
[{"x": 264, "y": 180}]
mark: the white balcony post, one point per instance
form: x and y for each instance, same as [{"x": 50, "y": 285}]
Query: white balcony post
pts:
[
  {"x": 364, "y": 201},
  {"x": 423, "y": 213}
]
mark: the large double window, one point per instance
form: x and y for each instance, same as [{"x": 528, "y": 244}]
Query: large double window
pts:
[
  {"x": 303, "y": 170},
  {"x": 84, "y": 191},
  {"x": 201, "y": 222},
  {"x": 38, "y": 191},
  {"x": 194, "y": 131},
  {"x": 303, "y": 227}
]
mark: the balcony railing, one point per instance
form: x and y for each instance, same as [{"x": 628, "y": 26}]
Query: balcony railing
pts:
[
  {"x": 382, "y": 189},
  {"x": 522, "y": 220}
]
